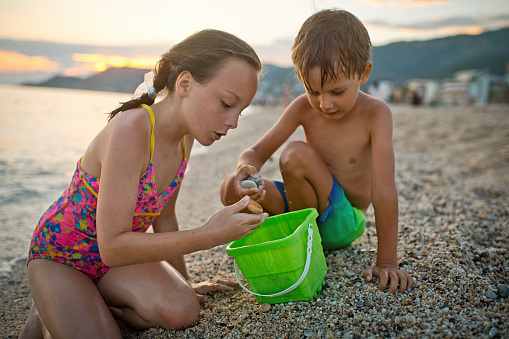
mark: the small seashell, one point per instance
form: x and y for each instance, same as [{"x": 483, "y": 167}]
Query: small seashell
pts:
[
  {"x": 255, "y": 207},
  {"x": 264, "y": 308}
]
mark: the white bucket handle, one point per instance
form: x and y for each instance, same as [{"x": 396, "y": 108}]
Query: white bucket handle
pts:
[{"x": 304, "y": 273}]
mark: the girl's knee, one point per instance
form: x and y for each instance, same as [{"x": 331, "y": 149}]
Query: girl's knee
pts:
[{"x": 179, "y": 314}]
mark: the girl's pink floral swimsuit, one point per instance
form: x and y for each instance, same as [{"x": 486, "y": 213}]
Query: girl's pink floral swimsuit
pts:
[{"x": 66, "y": 232}]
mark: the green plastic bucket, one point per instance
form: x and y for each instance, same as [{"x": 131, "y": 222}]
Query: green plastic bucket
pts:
[{"x": 283, "y": 259}]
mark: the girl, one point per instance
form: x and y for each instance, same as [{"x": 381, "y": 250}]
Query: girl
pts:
[{"x": 90, "y": 256}]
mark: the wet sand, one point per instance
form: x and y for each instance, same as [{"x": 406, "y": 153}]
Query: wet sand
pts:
[{"x": 452, "y": 173}]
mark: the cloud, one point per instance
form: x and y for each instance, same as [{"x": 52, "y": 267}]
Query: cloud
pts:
[
  {"x": 498, "y": 21},
  {"x": 277, "y": 53},
  {"x": 14, "y": 62},
  {"x": 405, "y": 3},
  {"x": 415, "y": 3}
]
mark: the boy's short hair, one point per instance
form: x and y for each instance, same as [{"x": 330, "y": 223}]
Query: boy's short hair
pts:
[{"x": 334, "y": 40}]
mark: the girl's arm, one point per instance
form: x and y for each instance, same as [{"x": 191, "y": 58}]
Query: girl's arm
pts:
[
  {"x": 167, "y": 222},
  {"x": 123, "y": 158}
]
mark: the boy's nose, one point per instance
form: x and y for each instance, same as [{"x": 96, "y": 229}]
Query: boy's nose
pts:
[{"x": 325, "y": 104}]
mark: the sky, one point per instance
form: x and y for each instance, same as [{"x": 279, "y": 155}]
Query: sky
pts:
[{"x": 268, "y": 25}]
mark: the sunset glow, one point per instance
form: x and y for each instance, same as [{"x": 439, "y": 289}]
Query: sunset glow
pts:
[
  {"x": 13, "y": 62},
  {"x": 101, "y": 62}
]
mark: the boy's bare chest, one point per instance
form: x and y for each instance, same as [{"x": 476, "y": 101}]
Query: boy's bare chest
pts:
[{"x": 344, "y": 146}]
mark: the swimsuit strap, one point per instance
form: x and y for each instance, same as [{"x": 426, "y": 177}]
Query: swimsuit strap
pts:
[
  {"x": 184, "y": 147},
  {"x": 152, "y": 135}
]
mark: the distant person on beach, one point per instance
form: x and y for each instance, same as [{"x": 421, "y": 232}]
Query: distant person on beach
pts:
[
  {"x": 90, "y": 259},
  {"x": 347, "y": 160},
  {"x": 374, "y": 90}
]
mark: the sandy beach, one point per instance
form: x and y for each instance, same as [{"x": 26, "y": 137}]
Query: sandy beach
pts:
[{"x": 452, "y": 173}]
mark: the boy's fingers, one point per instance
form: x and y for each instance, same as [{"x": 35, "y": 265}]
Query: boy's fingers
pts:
[
  {"x": 368, "y": 273},
  {"x": 384, "y": 279},
  {"x": 410, "y": 283},
  {"x": 403, "y": 283},
  {"x": 394, "y": 280}
]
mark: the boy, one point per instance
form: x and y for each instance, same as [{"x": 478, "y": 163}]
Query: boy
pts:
[{"x": 347, "y": 160}]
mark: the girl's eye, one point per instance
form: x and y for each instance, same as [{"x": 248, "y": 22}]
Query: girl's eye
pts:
[{"x": 225, "y": 105}]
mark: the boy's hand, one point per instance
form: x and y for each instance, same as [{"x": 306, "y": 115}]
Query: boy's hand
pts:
[
  {"x": 257, "y": 194},
  {"x": 390, "y": 273}
]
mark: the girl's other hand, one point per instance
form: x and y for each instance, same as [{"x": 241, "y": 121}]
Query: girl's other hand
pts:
[{"x": 216, "y": 284}]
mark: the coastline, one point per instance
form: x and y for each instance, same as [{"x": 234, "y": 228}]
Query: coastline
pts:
[{"x": 452, "y": 173}]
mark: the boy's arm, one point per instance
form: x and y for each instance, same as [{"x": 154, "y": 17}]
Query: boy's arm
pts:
[
  {"x": 260, "y": 152},
  {"x": 384, "y": 198},
  {"x": 251, "y": 160}
]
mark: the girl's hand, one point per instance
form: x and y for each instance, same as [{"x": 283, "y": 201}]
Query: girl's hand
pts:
[
  {"x": 230, "y": 224},
  {"x": 390, "y": 273},
  {"x": 243, "y": 172},
  {"x": 216, "y": 284}
]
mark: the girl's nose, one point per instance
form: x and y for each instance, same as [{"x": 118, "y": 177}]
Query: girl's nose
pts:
[{"x": 232, "y": 121}]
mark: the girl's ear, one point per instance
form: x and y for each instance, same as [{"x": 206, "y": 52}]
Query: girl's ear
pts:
[
  {"x": 183, "y": 83},
  {"x": 366, "y": 73}
]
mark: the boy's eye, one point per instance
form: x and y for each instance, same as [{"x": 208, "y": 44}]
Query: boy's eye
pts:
[
  {"x": 225, "y": 105},
  {"x": 338, "y": 92}
]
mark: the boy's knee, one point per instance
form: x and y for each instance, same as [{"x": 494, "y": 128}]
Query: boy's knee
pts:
[
  {"x": 226, "y": 190},
  {"x": 293, "y": 155}
]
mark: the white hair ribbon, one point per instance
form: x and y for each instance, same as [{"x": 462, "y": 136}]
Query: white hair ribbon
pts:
[{"x": 147, "y": 86}]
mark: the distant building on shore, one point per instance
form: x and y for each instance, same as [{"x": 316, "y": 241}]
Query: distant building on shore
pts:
[
  {"x": 476, "y": 87},
  {"x": 423, "y": 92},
  {"x": 468, "y": 87}
]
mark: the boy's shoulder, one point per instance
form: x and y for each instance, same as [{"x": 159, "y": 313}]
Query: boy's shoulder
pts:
[
  {"x": 300, "y": 103},
  {"x": 372, "y": 108},
  {"x": 375, "y": 114},
  {"x": 371, "y": 104}
]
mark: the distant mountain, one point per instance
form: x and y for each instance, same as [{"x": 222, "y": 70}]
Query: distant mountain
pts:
[
  {"x": 398, "y": 62},
  {"x": 441, "y": 58},
  {"x": 123, "y": 79}
]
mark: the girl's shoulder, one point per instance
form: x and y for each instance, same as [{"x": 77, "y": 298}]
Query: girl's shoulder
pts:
[{"x": 127, "y": 133}]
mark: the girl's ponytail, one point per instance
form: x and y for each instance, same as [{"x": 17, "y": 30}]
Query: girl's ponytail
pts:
[{"x": 202, "y": 54}]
